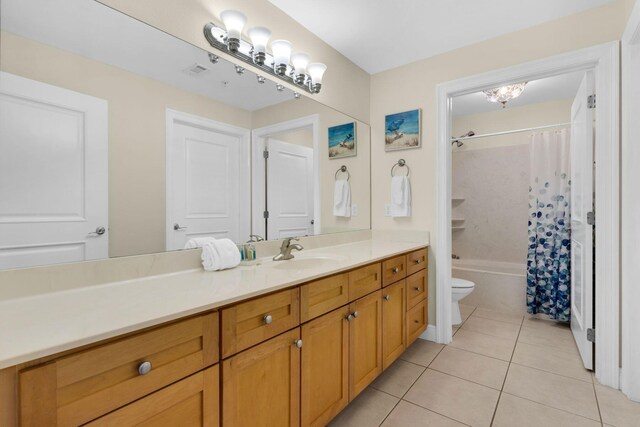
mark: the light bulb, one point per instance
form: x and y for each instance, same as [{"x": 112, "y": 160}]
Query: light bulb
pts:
[
  {"x": 316, "y": 71},
  {"x": 300, "y": 61},
  {"x": 281, "y": 50},
  {"x": 234, "y": 23},
  {"x": 259, "y": 38}
]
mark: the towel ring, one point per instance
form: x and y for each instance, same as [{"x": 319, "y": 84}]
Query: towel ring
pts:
[
  {"x": 401, "y": 163},
  {"x": 343, "y": 168}
]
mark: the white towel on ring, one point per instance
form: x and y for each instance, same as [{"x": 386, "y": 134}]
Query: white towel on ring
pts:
[
  {"x": 342, "y": 198},
  {"x": 400, "y": 196}
]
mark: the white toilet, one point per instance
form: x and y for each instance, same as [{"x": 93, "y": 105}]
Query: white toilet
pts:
[{"x": 460, "y": 288}]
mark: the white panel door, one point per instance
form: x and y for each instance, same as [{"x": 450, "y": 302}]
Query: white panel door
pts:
[
  {"x": 290, "y": 196},
  {"x": 207, "y": 180},
  {"x": 581, "y": 230},
  {"x": 53, "y": 174}
]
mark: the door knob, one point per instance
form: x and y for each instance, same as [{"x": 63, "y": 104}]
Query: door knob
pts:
[
  {"x": 177, "y": 227},
  {"x": 99, "y": 231}
]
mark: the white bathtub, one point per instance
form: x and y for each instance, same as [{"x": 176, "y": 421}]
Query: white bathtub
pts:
[{"x": 499, "y": 285}]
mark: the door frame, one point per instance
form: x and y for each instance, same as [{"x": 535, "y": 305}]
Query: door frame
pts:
[
  {"x": 603, "y": 59},
  {"x": 258, "y": 141},
  {"x": 173, "y": 116},
  {"x": 630, "y": 269}
]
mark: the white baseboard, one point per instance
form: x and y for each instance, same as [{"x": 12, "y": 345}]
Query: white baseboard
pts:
[{"x": 429, "y": 334}]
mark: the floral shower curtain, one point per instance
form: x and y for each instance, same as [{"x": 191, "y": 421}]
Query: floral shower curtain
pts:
[{"x": 549, "y": 257}]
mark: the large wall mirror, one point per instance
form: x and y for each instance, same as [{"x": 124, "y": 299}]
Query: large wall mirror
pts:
[{"x": 118, "y": 139}]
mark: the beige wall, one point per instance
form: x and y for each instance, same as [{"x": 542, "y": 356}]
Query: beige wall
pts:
[
  {"x": 358, "y": 166},
  {"x": 137, "y": 107},
  {"x": 345, "y": 86},
  {"x": 414, "y": 85}
]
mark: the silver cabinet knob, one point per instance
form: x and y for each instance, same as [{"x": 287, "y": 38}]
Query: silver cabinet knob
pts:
[
  {"x": 416, "y": 321},
  {"x": 387, "y": 297},
  {"x": 395, "y": 270},
  {"x": 99, "y": 231},
  {"x": 297, "y": 343},
  {"x": 177, "y": 227},
  {"x": 417, "y": 288},
  {"x": 267, "y": 319},
  {"x": 418, "y": 261},
  {"x": 349, "y": 318},
  {"x": 355, "y": 314},
  {"x": 144, "y": 368}
]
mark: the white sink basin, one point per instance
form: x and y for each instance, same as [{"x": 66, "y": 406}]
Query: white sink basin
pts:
[{"x": 303, "y": 262}]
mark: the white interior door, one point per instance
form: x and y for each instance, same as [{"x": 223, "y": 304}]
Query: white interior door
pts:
[
  {"x": 207, "y": 180},
  {"x": 53, "y": 174},
  {"x": 290, "y": 188},
  {"x": 581, "y": 230}
]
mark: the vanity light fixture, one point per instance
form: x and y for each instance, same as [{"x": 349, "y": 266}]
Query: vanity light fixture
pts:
[
  {"x": 240, "y": 70},
  {"x": 279, "y": 87},
  {"x": 280, "y": 63},
  {"x": 504, "y": 94},
  {"x": 213, "y": 58},
  {"x": 296, "y": 95},
  {"x": 260, "y": 78}
]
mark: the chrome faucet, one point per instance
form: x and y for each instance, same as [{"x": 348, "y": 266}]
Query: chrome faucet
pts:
[{"x": 286, "y": 248}]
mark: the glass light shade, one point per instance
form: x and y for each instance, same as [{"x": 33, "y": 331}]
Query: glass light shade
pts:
[
  {"x": 505, "y": 94},
  {"x": 300, "y": 62},
  {"x": 233, "y": 22},
  {"x": 316, "y": 71},
  {"x": 259, "y": 38},
  {"x": 281, "y": 50}
]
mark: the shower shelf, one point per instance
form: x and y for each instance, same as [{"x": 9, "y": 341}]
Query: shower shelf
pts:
[
  {"x": 457, "y": 219},
  {"x": 457, "y": 198},
  {"x": 457, "y": 228}
]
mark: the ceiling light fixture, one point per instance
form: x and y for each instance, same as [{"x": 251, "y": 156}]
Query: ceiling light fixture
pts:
[
  {"x": 504, "y": 94},
  {"x": 280, "y": 63}
]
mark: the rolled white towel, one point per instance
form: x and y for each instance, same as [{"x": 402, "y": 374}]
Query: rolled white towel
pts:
[
  {"x": 220, "y": 254},
  {"x": 198, "y": 242}
]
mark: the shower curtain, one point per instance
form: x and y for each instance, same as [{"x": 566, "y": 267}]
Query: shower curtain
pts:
[{"x": 549, "y": 232}]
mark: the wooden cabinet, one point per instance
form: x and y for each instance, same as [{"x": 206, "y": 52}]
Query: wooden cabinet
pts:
[
  {"x": 322, "y": 296},
  {"x": 393, "y": 322},
  {"x": 249, "y": 323},
  {"x": 416, "y": 261},
  {"x": 364, "y": 280},
  {"x": 365, "y": 342},
  {"x": 75, "y": 389},
  {"x": 191, "y": 402},
  {"x": 416, "y": 321},
  {"x": 261, "y": 386},
  {"x": 416, "y": 288},
  {"x": 325, "y": 367},
  {"x": 394, "y": 269}
]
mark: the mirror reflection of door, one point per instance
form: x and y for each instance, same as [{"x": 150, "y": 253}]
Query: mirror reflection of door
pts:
[
  {"x": 290, "y": 192},
  {"x": 53, "y": 174},
  {"x": 207, "y": 181}
]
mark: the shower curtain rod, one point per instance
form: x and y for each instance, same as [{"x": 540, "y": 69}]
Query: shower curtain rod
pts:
[{"x": 508, "y": 132}]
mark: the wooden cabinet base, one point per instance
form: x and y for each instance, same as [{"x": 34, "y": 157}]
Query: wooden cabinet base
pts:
[
  {"x": 365, "y": 342},
  {"x": 416, "y": 321},
  {"x": 393, "y": 322}
]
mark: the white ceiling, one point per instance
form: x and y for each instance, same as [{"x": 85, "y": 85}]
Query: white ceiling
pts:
[
  {"x": 95, "y": 31},
  {"x": 554, "y": 88},
  {"x": 380, "y": 35}
]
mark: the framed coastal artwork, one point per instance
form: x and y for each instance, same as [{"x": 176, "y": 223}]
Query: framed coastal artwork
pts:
[
  {"x": 342, "y": 140},
  {"x": 402, "y": 130}
]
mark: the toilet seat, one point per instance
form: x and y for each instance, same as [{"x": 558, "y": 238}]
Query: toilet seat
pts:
[{"x": 461, "y": 283}]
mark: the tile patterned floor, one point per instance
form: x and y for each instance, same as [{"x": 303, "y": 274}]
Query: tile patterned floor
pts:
[{"x": 503, "y": 370}]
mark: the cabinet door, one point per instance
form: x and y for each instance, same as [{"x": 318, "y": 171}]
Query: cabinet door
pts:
[
  {"x": 325, "y": 367},
  {"x": 393, "y": 322},
  {"x": 261, "y": 386},
  {"x": 365, "y": 342},
  {"x": 191, "y": 402}
]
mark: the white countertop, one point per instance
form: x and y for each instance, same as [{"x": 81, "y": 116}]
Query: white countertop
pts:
[{"x": 47, "y": 324}]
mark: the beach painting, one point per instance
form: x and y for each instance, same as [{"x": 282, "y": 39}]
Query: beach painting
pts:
[
  {"x": 402, "y": 130},
  {"x": 342, "y": 140}
]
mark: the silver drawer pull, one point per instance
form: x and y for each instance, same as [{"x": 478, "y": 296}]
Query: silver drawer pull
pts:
[
  {"x": 297, "y": 343},
  {"x": 416, "y": 321},
  {"x": 395, "y": 270},
  {"x": 267, "y": 319},
  {"x": 387, "y": 297},
  {"x": 417, "y": 289},
  {"x": 355, "y": 314},
  {"x": 349, "y": 318},
  {"x": 144, "y": 368},
  {"x": 418, "y": 261}
]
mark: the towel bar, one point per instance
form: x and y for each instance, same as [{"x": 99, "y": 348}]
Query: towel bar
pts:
[{"x": 343, "y": 168}]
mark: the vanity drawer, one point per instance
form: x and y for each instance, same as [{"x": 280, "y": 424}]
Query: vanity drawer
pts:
[
  {"x": 249, "y": 323},
  {"x": 81, "y": 387},
  {"x": 416, "y": 321},
  {"x": 416, "y": 288},
  {"x": 364, "y": 281},
  {"x": 416, "y": 261},
  {"x": 322, "y": 296},
  {"x": 394, "y": 269},
  {"x": 194, "y": 401}
]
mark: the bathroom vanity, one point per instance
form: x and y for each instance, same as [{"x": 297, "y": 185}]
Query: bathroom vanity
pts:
[{"x": 286, "y": 353}]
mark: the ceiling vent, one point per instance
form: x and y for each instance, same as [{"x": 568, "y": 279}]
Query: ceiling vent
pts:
[{"x": 195, "y": 70}]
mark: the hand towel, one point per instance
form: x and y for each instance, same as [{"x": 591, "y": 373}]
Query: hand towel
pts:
[
  {"x": 220, "y": 254},
  {"x": 198, "y": 242},
  {"x": 342, "y": 198},
  {"x": 400, "y": 196}
]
